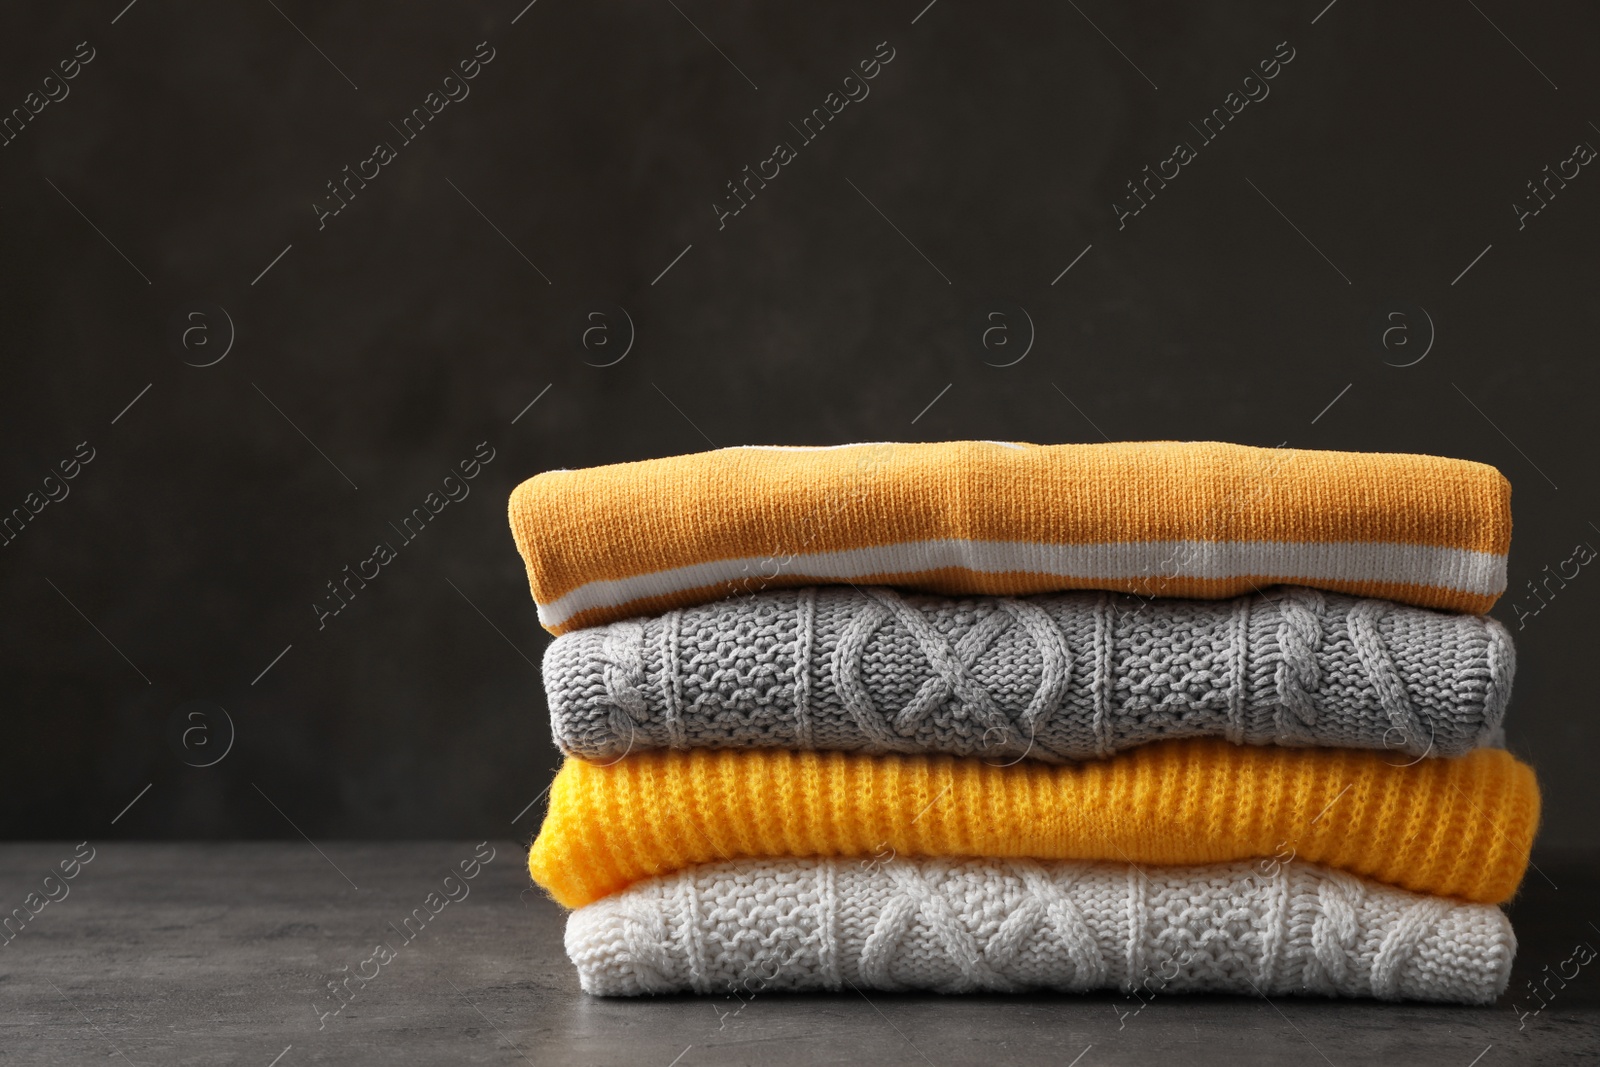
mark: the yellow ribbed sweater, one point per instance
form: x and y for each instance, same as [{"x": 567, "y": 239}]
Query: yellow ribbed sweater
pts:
[{"x": 1453, "y": 827}]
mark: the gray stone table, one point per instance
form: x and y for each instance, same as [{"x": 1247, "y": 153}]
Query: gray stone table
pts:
[{"x": 219, "y": 954}]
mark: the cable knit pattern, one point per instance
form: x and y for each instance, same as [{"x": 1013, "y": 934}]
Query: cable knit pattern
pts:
[
  {"x": 1055, "y": 677},
  {"x": 955, "y": 926}
]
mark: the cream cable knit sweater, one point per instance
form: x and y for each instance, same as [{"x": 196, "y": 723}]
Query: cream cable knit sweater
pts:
[
  {"x": 1263, "y": 928},
  {"x": 1053, "y": 677}
]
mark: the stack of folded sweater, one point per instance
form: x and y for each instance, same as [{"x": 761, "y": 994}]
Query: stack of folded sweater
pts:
[{"x": 989, "y": 716}]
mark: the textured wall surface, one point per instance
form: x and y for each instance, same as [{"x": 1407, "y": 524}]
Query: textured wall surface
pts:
[{"x": 264, "y": 375}]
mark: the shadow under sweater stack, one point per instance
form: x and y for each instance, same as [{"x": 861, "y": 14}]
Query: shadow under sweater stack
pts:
[{"x": 988, "y": 716}]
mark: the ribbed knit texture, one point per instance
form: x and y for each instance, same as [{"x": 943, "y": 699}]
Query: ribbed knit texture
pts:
[
  {"x": 1158, "y": 518},
  {"x": 1255, "y": 929},
  {"x": 1455, "y": 827},
  {"x": 1051, "y": 677}
]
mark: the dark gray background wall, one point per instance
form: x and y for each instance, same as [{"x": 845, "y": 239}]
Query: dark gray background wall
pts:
[{"x": 1246, "y": 302}]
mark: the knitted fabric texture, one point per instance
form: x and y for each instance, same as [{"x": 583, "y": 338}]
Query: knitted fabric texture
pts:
[
  {"x": 1455, "y": 827},
  {"x": 1160, "y": 518},
  {"x": 1052, "y": 677},
  {"x": 996, "y": 926}
]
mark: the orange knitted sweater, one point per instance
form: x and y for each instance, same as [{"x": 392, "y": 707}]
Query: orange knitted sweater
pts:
[
  {"x": 1453, "y": 827},
  {"x": 1157, "y": 518}
]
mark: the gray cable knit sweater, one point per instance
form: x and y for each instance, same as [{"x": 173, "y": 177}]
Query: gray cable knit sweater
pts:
[
  {"x": 958, "y": 926},
  {"x": 1055, "y": 677}
]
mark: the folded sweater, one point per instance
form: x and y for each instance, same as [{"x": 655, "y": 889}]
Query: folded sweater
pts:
[
  {"x": 957, "y": 926},
  {"x": 1158, "y": 518},
  {"x": 1454, "y": 827},
  {"x": 1052, "y": 677}
]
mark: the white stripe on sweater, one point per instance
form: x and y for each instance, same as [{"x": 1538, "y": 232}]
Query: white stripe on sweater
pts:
[{"x": 1301, "y": 563}]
